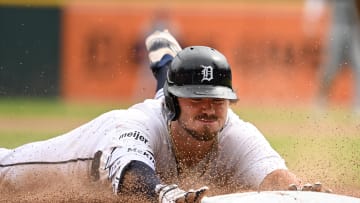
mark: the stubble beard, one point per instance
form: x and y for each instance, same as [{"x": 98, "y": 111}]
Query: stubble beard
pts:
[{"x": 205, "y": 135}]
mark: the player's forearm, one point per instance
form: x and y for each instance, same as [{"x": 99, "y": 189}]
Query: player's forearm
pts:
[
  {"x": 140, "y": 179},
  {"x": 279, "y": 180}
]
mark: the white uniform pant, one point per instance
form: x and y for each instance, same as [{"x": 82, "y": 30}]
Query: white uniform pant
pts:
[{"x": 40, "y": 176}]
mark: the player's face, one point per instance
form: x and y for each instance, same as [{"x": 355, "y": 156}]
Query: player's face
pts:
[{"x": 203, "y": 118}]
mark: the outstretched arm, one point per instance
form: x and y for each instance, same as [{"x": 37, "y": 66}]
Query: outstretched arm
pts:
[
  {"x": 279, "y": 180},
  {"x": 282, "y": 179},
  {"x": 141, "y": 179}
]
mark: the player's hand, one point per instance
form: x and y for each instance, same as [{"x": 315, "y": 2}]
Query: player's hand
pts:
[
  {"x": 173, "y": 194},
  {"x": 316, "y": 187}
]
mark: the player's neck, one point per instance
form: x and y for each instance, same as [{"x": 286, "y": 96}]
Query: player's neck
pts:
[{"x": 188, "y": 150}]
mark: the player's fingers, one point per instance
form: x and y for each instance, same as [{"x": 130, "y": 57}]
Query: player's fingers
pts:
[
  {"x": 307, "y": 187},
  {"x": 199, "y": 194},
  {"x": 316, "y": 187},
  {"x": 293, "y": 187},
  {"x": 180, "y": 199},
  {"x": 187, "y": 197},
  {"x": 193, "y": 196}
]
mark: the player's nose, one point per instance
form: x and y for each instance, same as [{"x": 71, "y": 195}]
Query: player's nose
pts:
[{"x": 207, "y": 106}]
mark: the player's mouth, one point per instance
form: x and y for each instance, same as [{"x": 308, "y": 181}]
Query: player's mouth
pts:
[{"x": 206, "y": 119}]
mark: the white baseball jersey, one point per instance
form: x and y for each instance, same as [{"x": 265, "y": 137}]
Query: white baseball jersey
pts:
[{"x": 103, "y": 147}]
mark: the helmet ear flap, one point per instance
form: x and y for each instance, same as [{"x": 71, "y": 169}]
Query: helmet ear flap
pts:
[{"x": 172, "y": 109}]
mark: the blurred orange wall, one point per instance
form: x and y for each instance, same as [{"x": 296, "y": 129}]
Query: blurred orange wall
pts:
[{"x": 272, "y": 59}]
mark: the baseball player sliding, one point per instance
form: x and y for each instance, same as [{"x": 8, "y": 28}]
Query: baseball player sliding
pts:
[{"x": 188, "y": 128}]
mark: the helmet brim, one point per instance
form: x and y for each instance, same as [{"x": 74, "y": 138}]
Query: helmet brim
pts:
[{"x": 202, "y": 91}]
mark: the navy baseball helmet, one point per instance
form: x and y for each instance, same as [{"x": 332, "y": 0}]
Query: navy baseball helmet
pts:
[{"x": 197, "y": 72}]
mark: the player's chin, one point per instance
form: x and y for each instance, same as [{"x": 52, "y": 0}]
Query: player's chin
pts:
[
  {"x": 208, "y": 134},
  {"x": 204, "y": 138},
  {"x": 208, "y": 138}
]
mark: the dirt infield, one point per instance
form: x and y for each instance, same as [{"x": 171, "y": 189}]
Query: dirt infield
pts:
[
  {"x": 101, "y": 195},
  {"x": 75, "y": 190},
  {"x": 68, "y": 190}
]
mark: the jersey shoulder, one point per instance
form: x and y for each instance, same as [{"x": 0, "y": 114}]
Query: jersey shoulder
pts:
[
  {"x": 151, "y": 107},
  {"x": 235, "y": 126},
  {"x": 146, "y": 113}
]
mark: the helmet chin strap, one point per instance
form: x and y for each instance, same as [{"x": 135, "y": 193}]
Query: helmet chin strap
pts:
[{"x": 169, "y": 114}]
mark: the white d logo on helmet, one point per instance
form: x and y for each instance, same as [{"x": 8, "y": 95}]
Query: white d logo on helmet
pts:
[{"x": 207, "y": 73}]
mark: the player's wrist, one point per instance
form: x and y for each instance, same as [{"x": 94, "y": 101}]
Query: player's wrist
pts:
[{"x": 165, "y": 192}]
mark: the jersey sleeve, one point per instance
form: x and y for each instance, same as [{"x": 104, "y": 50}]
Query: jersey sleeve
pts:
[
  {"x": 131, "y": 140},
  {"x": 250, "y": 152},
  {"x": 159, "y": 94}
]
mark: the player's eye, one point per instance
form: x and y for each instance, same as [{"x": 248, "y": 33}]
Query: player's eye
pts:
[
  {"x": 196, "y": 100},
  {"x": 219, "y": 101}
]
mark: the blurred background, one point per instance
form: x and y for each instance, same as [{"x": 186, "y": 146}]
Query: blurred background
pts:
[{"x": 94, "y": 50}]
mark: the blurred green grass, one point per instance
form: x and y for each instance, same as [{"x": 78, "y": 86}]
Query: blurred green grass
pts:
[
  {"x": 317, "y": 145},
  {"x": 23, "y": 120},
  {"x": 50, "y": 107}
]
